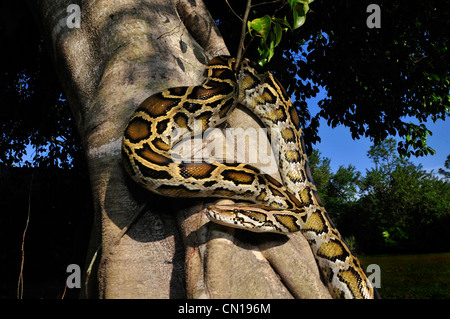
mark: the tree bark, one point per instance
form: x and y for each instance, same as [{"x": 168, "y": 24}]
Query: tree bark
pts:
[{"x": 123, "y": 52}]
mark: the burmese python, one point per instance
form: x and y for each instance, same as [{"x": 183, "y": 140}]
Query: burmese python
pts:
[{"x": 295, "y": 206}]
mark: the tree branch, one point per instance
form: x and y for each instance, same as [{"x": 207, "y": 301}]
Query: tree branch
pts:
[
  {"x": 243, "y": 33},
  {"x": 233, "y": 10},
  {"x": 263, "y": 3}
]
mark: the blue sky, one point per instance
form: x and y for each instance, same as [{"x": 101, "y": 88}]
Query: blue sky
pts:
[{"x": 338, "y": 145}]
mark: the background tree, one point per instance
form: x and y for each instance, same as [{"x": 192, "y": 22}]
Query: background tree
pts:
[
  {"x": 337, "y": 188},
  {"x": 391, "y": 78},
  {"x": 446, "y": 172},
  {"x": 396, "y": 207},
  {"x": 379, "y": 82},
  {"x": 339, "y": 194},
  {"x": 384, "y": 155},
  {"x": 345, "y": 184},
  {"x": 402, "y": 206},
  {"x": 321, "y": 170}
]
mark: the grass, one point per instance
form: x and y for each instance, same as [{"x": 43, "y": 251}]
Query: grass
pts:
[{"x": 421, "y": 276}]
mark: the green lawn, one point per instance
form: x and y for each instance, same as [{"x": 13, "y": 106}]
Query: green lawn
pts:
[{"x": 422, "y": 276}]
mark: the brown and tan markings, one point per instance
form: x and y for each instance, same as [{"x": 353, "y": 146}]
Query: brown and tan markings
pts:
[{"x": 290, "y": 206}]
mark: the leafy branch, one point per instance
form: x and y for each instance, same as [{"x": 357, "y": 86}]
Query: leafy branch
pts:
[{"x": 270, "y": 28}]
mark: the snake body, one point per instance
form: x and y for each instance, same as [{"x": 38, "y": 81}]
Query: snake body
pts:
[{"x": 294, "y": 205}]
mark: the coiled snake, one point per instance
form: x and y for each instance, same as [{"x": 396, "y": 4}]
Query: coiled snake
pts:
[{"x": 154, "y": 129}]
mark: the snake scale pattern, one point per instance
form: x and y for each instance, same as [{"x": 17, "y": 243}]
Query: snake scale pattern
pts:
[{"x": 290, "y": 206}]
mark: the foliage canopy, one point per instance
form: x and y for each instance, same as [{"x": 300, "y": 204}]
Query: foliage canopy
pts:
[
  {"x": 396, "y": 206},
  {"x": 379, "y": 82}
]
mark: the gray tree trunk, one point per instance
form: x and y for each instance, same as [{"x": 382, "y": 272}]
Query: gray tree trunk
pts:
[{"x": 123, "y": 52}]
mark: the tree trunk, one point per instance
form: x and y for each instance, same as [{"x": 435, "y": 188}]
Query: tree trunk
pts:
[{"x": 123, "y": 52}]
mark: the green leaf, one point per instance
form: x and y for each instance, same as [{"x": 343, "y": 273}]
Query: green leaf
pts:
[
  {"x": 435, "y": 77},
  {"x": 262, "y": 48},
  {"x": 278, "y": 33},
  {"x": 271, "y": 50},
  {"x": 264, "y": 53},
  {"x": 282, "y": 22},
  {"x": 292, "y": 3},
  {"x": 270, "y": 30},
  {"x": 261, "y": 26},
  {"x": 299, "y": 15}
]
